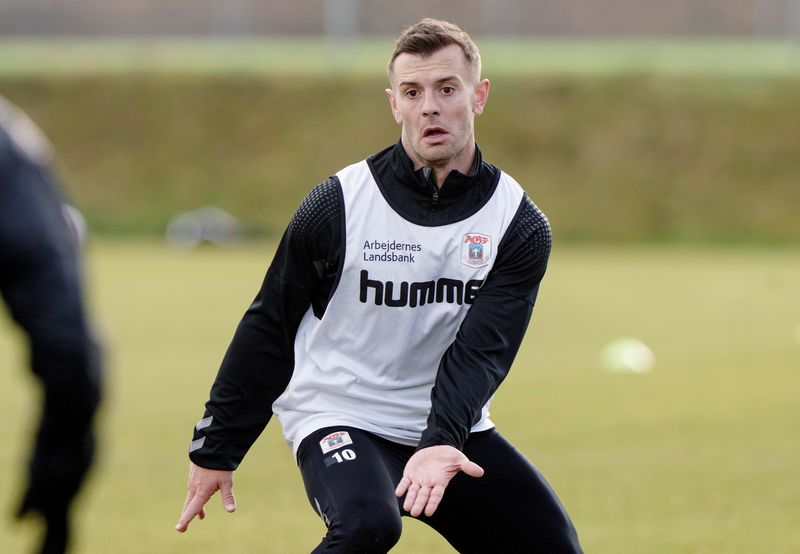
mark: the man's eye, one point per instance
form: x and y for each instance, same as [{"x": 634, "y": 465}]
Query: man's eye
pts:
[
  {"x": 448, "y": 90},
  {"x": 412, "y": 93}
]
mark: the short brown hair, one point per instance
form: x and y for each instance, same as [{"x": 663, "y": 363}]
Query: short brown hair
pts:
[{"x": 431, "y": 35}]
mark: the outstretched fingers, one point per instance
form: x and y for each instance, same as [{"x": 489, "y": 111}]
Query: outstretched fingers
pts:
[
  {"x": 427, "y": 474},
  {"x": 203, "y": 483},
  {"x": 193, "y": 507},
  {"x": 416, "y": 505},
  {"x": 437, "y": 493}
]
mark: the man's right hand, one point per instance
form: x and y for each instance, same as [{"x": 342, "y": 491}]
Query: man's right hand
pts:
[{"x": 203, "y": 483}]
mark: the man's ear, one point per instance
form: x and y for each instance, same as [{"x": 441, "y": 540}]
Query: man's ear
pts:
[
  {"x": 481, "y": 96},
  {"x": 393, "y": 105}
]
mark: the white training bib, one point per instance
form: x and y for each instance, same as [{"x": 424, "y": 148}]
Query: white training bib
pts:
[{"x": 371, "y": 361}]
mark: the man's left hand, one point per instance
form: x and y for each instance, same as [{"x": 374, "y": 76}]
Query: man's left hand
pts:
[{"x": 428, "y": 473}]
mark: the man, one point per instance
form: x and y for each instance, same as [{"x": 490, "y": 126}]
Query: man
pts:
[
  {"x": 41, "y": 283},
  {"x": 391, "y": 313}
]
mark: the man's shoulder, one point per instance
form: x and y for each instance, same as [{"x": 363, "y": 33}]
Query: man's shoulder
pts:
[
  {"x": 528, "y": 207},
  {"x": 503, "y": 176},
  {"x": 356, "y": 169},
  {"x": 323, "y": 198},
  {"x": 532, "y": 229}
]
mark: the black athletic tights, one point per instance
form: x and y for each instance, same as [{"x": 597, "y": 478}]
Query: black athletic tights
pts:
[{"x": 350, "y": 481}]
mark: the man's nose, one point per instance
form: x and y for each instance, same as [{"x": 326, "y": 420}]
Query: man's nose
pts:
[{"x": 430, "y": 105}]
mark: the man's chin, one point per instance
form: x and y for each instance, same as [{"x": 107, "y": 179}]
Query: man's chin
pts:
[{"x": 435, "y": 154}]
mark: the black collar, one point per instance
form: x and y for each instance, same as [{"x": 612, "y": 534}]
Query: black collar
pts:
[
  {"x": 415, "y": 196},
  {"x": 455, "y": 183}
]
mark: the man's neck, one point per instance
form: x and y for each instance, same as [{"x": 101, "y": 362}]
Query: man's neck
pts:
[{"x": 464, "y": 162}]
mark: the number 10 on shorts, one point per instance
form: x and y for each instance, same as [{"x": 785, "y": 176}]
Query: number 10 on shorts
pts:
[{"x": 345, "y": 455}]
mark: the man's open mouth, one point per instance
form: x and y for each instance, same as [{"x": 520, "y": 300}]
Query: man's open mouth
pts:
[{"x": 433, "y": 132}]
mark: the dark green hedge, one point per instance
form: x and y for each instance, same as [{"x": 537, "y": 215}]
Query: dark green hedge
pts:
[{"x": 622, "y": 158}]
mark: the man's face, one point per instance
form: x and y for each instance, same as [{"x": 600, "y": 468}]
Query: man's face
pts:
[{"x": 436, "y": 99}]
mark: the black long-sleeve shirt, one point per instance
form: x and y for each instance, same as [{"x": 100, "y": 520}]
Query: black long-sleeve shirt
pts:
[
  {"x": 259, "y": 362},
  {"x": 41, "y": 283}
]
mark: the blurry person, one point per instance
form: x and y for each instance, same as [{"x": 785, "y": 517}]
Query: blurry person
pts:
[
  {"x": 40, "y": 281},
  {"x": 391, "y": 313}
]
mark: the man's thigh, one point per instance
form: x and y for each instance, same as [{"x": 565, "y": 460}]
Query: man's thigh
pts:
[
  {"x": 350, "y": 476},
  {"x": 510, "y": 509}
]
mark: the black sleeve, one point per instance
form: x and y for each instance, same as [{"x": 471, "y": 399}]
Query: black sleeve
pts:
[
  {"x": 260, "y": 359},
  {"x": 480, "y": 357},
  {"x": 40, "y": 280}
]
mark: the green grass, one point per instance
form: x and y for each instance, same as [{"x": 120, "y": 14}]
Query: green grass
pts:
[
  {"x": 73, "y": 56},
  {"x": 699, "y": 456}
]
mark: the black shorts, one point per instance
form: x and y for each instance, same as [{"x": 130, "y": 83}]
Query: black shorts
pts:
[{"x": 350, "y": 481}]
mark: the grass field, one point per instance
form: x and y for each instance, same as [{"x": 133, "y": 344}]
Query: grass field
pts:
[
  {"x": 704, "y": 56},
  {"x": 699, "y": 456}
]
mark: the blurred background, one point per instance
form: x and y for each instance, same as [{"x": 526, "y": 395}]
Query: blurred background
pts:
[{"x": 657, "y": 387}]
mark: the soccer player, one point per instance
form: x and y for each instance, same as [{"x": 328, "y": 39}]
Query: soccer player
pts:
[
  {"x": 41, "y": 282},
  {"x": 392, "y": 311}
]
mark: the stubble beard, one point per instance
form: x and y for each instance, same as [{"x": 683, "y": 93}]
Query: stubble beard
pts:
[{"x": 438, "y": 155}]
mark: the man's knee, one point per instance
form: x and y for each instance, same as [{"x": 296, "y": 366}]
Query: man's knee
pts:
[{"x": 364, "y": 531}]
